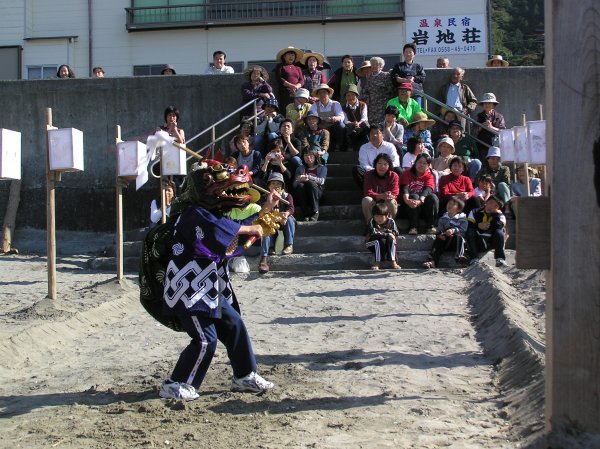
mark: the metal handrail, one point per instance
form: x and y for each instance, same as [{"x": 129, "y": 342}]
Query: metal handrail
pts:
[{"x": 457, "y": 112}]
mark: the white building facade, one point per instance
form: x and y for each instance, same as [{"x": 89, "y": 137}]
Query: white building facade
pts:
[{"x": 138, "y": 37}]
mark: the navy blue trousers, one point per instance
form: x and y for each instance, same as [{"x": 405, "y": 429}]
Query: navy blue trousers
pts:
[{"x": 230, "y": 330}]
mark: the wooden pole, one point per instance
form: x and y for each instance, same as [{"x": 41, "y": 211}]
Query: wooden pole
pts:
[
  {"x": 526, "y": 164},
  {"x": 163, "y": 196},
  {"x": 573, "y": 288},
  {"x": 119, "y": 201},
  {"x": 10, "y": 217},
  {"x": 50, "y": 214}
]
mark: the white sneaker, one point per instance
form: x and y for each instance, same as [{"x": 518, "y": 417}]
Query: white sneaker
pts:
[
  {"x": 252, "y": 383},
  {"x": 501, "y": 263},
  {"x": 178, "y": 390}
]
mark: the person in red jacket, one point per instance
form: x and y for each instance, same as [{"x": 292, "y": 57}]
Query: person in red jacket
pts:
[
  {"x": 382, "y": 184},
  {"x": 457, "y": 184},
  {"x": 417, "y": 185}
]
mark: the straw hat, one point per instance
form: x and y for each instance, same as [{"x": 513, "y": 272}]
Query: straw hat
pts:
[
  {"x": 496, "y": 58},
  {"x": 488, "y": 98},
  {"x": 299, "y": 53},
  {"x": 260, "y": 68},
  {"x": 321, "y": 87},
  {"x": 366, "y": 66},
  {"x": 421, "y": 117},
  {"x": 318, "y": 56}
]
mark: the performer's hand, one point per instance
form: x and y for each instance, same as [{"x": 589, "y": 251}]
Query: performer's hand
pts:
[{"x": 256, "y": 230}]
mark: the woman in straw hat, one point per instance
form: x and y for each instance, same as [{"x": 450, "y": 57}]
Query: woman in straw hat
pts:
[
  {"x": 257, "y": 88},
  {"x": 377, "y": 90},
  {"x": 313, "y": 76},
  {"x": 491, "y": 119},
  {"x": 496, "y": 61},
  {"x": 289, "y": 74},
  {"x": 419, "y": 127}
]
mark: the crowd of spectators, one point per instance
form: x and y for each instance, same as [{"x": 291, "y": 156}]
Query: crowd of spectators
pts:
[{"x": 431, "y": 172}]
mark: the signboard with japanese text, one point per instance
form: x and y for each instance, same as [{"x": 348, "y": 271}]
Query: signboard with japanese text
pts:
[{"x": 448, "y": 35}]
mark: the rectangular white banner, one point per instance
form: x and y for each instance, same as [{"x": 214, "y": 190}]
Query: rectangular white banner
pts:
[{"x": 448, "y": 35}]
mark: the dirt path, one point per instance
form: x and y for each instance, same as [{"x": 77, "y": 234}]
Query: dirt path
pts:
[{"x": 360, "y": 360}]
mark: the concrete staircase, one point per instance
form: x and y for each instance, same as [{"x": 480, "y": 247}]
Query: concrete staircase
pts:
[{"x": 335, "y": 242}]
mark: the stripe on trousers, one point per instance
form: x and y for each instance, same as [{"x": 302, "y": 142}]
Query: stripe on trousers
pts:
[
  {"x": 375, "y": 244},
  {"x": 204, "y": 345}
]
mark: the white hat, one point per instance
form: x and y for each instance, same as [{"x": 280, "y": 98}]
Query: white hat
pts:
[
  {"x": 493, "y": 152},
  {"x": 489, "y": 97},
  {"x": 447, "y": 140}
]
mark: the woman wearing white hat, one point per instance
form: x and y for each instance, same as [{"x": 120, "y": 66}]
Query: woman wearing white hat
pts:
[{"x": 491, "y": 119}]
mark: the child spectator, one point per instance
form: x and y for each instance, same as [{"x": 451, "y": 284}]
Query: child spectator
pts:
[
  {"x": 487, "y": 229},
  {"x": 381, "y": 237},
  {"x": 419, "y": 127},
  {"x": 484, "y": 189},
  {"x": 393, "y": 131},
  {"x": 276, "y": 183},
  {"x": 298, "y": 110},
  {"x": 268, "y": 125},
  {"x": 452, "y": 227},
  {"x": 247, "y": 156},
  {"x": 274, "y": 163},
  {"x": 155, "y": 211},
  {"x": 291, "y": 146},
  {"x": 312, "y": 136},
  {"x": 414, "y": 147},
  {"x": 247, "y": 130},
  {"x": 418, "y": 200}
]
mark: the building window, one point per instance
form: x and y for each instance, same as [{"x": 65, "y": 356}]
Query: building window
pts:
[
  {"x": 151, "y": 69},
  {"x": 41, "y": 72}
]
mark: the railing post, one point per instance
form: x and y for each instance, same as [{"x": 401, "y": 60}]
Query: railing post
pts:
[
  {"x": 213, "y": 138},
  {"x": 255, "y": 115}
]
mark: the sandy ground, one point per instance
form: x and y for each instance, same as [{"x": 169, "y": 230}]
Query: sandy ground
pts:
[{"x": 401, "y": 359}]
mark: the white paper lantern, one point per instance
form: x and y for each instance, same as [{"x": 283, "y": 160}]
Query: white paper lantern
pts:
[
  {"x": 173, "y": 161},
  {"x": 66, "y": 149},
  {"x": 132, "y": 155},
  {"x": 10, "y": 154},
  {"x": 536, "y": 141},
  {"x": 507, "y": 144}
]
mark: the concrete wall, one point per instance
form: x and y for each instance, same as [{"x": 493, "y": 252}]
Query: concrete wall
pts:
[{"x": 85, "y": 200}]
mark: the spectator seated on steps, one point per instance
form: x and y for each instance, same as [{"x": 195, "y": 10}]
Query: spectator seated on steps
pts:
[
  {"x": 381, "y": 237},
  {"x": 309, "y": 184},
  {"x": 312, "y": 136},
  {"x": 267, "y": 128},
  {"x": 419, "y": 127},
  {"x": 298, "y": 110},
  {"x": 487, "y": 230},
  {"x": 244, "y": 155},
  {"x": 466, "y": 148},
  {"x": 393, "y": 131},
  {"x": 440, "y": 166},
  {"x": 274, "y": 162},
  {"x": 276, "y": 183},
  {"x": 407, "y": 107},
  {"x": 518, "y": 187},
  {"x": 381, "y": 185},
  {"x": 370, "y": 150},
  {"x": 457, "y": 184},
  {"x": 331, "y": 114},
  {"x": 155, "y": 211},
  {"x": 355, "y": 119},
  {"x": 499, "y": 173},
  {"x": 451, "y": 231},
  {"x": 417, "y": 198},
  {"x": 491, "y": 119}
]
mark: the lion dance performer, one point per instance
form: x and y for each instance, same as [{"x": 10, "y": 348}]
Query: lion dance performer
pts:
[{"x": 184, "y": 279}]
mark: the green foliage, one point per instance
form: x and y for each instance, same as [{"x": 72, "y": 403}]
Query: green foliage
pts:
[{"x": 518, "y": 31}]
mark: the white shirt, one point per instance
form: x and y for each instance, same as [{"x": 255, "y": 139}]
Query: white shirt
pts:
[
  {"x": 226, "y": 70},
  {"x": 368, "y": 152}
]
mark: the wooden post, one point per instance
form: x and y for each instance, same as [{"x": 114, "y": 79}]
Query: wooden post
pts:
[
  {"x": 119, "y": 201},
  {"x": 573, "y": 287},
  {"x": 10, "y": 217},
  {"x": 163, "y": 196},
  {"x": 526, "y": 165},
  {"x": 50, "y": 214}
]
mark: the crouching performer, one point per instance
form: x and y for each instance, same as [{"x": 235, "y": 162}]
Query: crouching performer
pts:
[{"x": 189, "y": 255}]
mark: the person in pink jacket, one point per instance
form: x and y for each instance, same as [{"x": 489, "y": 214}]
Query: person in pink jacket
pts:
[
  {"x": 456, "y": 184},
  {"x": 382, "y": 184}
]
